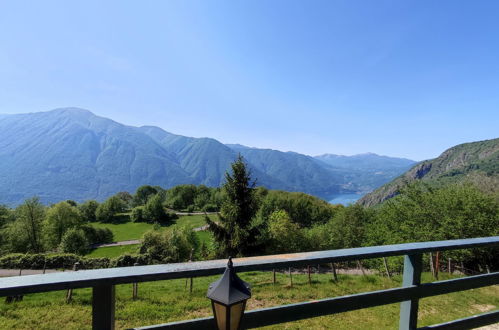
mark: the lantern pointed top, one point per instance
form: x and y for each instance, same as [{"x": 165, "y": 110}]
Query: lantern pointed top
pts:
[{"x": 229, "y": 289}]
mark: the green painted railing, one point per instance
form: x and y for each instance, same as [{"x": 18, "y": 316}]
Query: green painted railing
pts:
[{"x": 103, "y": 282}]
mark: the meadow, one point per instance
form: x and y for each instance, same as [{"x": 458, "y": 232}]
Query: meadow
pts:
[
  {"x": 165, "y": 301},
  {"x": 125, "y": 231}
]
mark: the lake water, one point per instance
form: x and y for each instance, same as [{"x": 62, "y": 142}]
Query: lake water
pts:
[{"x": 346, "y": 199}]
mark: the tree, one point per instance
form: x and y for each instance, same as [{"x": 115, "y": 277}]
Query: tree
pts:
[
  {"x": 236, "y": 232},
  {"x": 30, "y": 216},
  {"x": 126, "y": 197},
  {"x": 172, "y": 245},
  {"x": 142, "y": 194},
  {"x": 108, "y": 211},
  {"x": 60, "y": 218},
  {"x": 154, "y": 210},
  {"x": 285, "y": 236},
  {"x": 88, "y": 209},
  {"x": 74, "y": 241}
]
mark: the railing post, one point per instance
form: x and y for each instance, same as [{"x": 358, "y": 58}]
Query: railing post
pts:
[
  {"x": 412, "y": 276},
  {"x": 103, "y": 307}
]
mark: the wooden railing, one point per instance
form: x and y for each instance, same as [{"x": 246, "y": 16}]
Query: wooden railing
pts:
[{"x": 103, "y": 282}]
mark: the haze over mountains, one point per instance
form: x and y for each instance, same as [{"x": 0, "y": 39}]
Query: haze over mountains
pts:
[{"x": 71, "y": 153}]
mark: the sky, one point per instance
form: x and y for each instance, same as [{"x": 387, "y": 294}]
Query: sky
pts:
[{"x": 399, "y": 78}]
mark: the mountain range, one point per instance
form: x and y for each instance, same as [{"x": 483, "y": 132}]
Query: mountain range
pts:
[
  {"x": 70, "y": 153},
  {"x": 475, "y": 162}
]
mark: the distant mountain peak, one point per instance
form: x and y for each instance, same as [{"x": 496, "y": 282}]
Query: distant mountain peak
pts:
[{"x": 71, "y": 153}]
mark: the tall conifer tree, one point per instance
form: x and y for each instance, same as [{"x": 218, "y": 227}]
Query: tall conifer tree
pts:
[{"x": 235, "y": 233}]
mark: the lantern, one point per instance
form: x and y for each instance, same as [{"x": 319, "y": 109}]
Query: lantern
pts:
[{"x": 228, "y": 299}]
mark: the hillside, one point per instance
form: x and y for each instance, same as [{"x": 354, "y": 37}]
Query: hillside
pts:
[
  {"x": 476, "y": 162},
  {"x": 71, "y": 153}
]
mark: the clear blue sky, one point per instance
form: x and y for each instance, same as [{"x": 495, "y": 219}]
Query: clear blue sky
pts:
[{"x": 401, "y": 78}]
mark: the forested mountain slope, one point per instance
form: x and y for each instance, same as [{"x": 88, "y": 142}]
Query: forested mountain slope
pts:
[
  {"x": 71, "y": 153},
  {"x": 476, "y": 162}
]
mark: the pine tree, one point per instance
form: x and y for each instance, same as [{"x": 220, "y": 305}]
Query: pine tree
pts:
[{"x": 235, "y": 233}]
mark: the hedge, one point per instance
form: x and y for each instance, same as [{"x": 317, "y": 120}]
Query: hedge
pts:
[{"x": 67, "y": 260}]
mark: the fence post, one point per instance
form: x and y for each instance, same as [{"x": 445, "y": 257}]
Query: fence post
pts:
[
  {"x": 135, "y": 287},
  {"x": 69, "y": 294},
  {"x": 335, "y": 277},
  {"x": 386, "y": 268},
  {"x": 103, "y": 301},
  {"x": 412, "y": 276}
]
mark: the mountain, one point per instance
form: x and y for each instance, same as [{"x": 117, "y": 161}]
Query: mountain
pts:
[
  {"x": 71, "y": 153},
  {"x": 477, "y": 162},
  {"x": 368, "y": 171}
]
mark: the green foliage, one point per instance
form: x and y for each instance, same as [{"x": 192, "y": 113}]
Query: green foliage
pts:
[
  {"x": 88, "y": 210},
  {"x": 110, "y": 209},
  {"x": 60, "y": 218},
  {"x": 154, "y": 211},
  {"x": 236, "y": 232},
  {"x": 137, "y": 214},
  {"x": 25, "y": 234},
  {"x": 127, "y": 260},
  {"x": 126, "y": 197},
  {"x": 74, "y": 241},
  {"x": 142, "y": 194},
  {"x": 349, "y": 227},
  {"x": 175, "y": 244},
  {"x": 284, "y": 235},
  {"x": 97, "y": 235},
  {"x": 423, "y": 213},
  {"x": 189, "y": 197},
  {"x": 303, "y": 209}
]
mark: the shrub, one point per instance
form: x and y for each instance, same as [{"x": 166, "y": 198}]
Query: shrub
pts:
[
  {"x": 74, "y": 241},
  {"x": 173, "y": 245},
  {"x": 127, "y": 260},
  {"x": 137, "y": 214},
  {"x": 97, "y": 235},
  {"x": 95, "y": 263}
]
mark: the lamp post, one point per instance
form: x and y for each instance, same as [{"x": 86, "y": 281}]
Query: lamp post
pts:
[{"x": 228, "y": 299}]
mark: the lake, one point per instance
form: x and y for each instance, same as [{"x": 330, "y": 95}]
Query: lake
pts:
[{"x": 345, "y": 199}]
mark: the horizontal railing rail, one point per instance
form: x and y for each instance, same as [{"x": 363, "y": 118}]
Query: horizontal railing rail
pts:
[{"x": 103, "y": 281}]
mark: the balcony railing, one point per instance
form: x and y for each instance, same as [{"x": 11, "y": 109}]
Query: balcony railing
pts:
[{"x": 103, "y": 282}]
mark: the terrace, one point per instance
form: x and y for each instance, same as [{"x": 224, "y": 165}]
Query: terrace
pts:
[{"x": 103, "y": 282}]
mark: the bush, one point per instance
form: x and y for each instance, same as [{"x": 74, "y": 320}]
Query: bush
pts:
[
  {"x": 137, "y": 214},
  {"x": 109, "y": 210},
  {"x": 127, "y": 260},
  {"x": 172, "y": 245},
  {"x": 97, "y": 235},
  {"x": 74, "y": 241},
  {"x": 88, "y": 209},
  {"x": 95, "y": 263},
  {"x": 210, "y": 208}
]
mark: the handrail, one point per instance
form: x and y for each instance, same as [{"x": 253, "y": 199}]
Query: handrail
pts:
[{"x": 104, "y": 280}]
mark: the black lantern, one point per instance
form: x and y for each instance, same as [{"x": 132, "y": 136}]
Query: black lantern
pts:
[{"x": 228, "y": 299}]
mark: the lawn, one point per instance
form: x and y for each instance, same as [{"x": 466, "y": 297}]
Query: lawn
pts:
[
  {"x": 165, "y": 301},
  {"x": 113, "y": 251},
  {"x": 134, "y": 230}
]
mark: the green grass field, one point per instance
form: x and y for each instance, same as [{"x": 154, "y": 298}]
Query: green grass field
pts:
[
  {"x": 134, "y": 230},
  {"x": 113, "y": 251},
  {"x": 165, "y": 301}
]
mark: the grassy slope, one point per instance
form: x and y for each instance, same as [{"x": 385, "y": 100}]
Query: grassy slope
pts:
[
  {"x": 131, "y": 230},
  {"x": 134, "y": 230},
  {"x": 168, "y": 300}
]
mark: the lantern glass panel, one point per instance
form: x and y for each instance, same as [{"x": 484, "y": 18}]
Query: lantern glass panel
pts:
[
  {"x": 236, "y": 312},
  {"x": 220, "y": 315}
]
